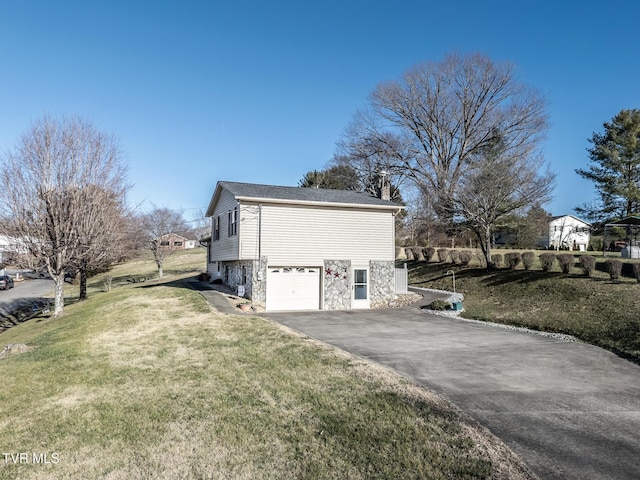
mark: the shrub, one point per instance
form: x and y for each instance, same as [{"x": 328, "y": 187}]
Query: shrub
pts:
[
  {"x": 443, "y": 255},
  {"x": 428, "y": 252},
  {"x": 547, "y": 260},
  {"x": 465, "y": 257},
  {"x": 636, "y": 271},
  {"x": 107, "y": 281},
  {"x": 614, "y": 268},
  {"x": 512, "y": 259},
  {"x": 588, "y": 264},
  {"x": 439, "y": 305},
  {"x": 527, "y": 259},
  {"x": 417, "y": 254},
  {"x": 566, "y": 261},
  {"x": 455, "y": 256},
  {"x": 409, "y": 254},
  {"x": 496, "y": 258}
]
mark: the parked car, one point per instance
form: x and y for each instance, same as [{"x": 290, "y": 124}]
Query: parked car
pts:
[{"x": 6, "y": 282}]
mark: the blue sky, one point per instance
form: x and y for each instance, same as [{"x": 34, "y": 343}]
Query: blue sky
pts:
[{"x": 261, "y": 91}]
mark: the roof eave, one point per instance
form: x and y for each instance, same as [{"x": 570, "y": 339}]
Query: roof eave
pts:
[
  {"x": 214, "y": 200},
  {"x": 318, "y": 203}
]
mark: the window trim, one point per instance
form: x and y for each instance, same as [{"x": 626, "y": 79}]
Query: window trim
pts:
[
  {"x": 233, "y": 222},
  {"x": 216, "y": 228}
]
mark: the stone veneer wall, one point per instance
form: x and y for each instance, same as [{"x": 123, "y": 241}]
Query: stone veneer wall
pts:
[
  {"x": 337, "y": 284},
  {"x": 235, "y": 275},
  {"x": 259, "y": 281},
  {"x": 382, "y": 284}
]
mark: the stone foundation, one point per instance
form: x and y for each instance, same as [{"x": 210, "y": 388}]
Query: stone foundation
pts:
[
  {"x": 336, "y": 281},
  {"x": 382, "y": 284},
  {"x": 337, "y": 284}
]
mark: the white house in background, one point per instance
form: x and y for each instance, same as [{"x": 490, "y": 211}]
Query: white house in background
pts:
[
  {"x": 10, "y": 245},
  {"x": 569, "y": 232},
  {"x": 294, "y": 248}
]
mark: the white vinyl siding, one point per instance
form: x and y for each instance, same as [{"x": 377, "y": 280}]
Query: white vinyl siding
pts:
[
  {"x": 225, "y": 248},
  {"x": 308, "y": 235}
]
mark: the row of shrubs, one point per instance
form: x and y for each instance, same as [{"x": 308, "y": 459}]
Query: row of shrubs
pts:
[
  {"x": 460, "y": 257},
  {"x": 566, "y": 261},
  {"x": 512, "y": 260}
]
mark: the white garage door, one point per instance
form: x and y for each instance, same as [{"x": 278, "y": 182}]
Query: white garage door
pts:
[{"x": 293, "y": 288}]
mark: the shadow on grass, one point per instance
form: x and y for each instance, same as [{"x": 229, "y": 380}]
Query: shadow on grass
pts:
[
  {"x": 20, "y": 310},
  {"x": 502, "y": 277},
  {"x": 190, "y": 283},
  {"x": 435, "y": 272}
]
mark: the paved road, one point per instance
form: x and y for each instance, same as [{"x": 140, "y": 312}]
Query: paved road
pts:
[
  {"x": 27, "y": 289},
  {"x": 22, "y": 298},
  {"x": 570, "y": 410}
]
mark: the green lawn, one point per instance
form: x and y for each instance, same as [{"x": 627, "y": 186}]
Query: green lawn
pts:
[
  {"x": 147, "y": 381},
  {"x": 595, "y": 310}
]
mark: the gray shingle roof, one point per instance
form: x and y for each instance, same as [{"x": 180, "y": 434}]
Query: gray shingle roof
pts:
[{"x": 302, "y": 194}]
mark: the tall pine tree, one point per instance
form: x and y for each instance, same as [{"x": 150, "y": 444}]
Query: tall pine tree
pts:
[{"x": 614, "y": 168}]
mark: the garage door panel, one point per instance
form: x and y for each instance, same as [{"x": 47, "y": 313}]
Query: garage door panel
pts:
[{"x": 293, "y": 288}]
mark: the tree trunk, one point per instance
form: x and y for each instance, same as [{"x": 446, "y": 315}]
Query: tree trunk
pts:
[
  {"x": 160, "y": 273},
  {"x": 83, "y": 281},
  {"x": 487, "y": 248},
  {"x": 58, "y": 308},
  {"x": 484, "y": 238}
]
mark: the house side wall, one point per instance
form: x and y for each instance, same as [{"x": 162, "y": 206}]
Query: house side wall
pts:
[
  {"x": 226, "y": 248},
  {"x": 308, "y": 235}
]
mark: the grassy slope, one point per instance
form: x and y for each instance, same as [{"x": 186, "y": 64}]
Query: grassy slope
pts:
[
  {"x": 147, "y": 381},
  {"x": 595, "y": 310}
]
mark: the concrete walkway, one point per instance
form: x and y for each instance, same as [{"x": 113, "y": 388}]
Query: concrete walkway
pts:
[
  {"x": 214, "y": 297},
  {"x": 570, "y": 410}
]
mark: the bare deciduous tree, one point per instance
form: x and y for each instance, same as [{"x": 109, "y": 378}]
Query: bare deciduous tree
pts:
[
  {"x": 501, "y": 181},
  {"x": 103, "y": 232},
  {"x": 157, "y": 225},
  {"x": 54, "y": 185},
  {"x": 368, "y": 149},
  {"x": 431, "y": 124}
]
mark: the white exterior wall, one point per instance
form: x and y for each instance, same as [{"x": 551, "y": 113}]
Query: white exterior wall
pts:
[
  {"x": 307, "y": 235},
  {"x": 567, "y": 230},
  {"x": 226, "y": 248}
]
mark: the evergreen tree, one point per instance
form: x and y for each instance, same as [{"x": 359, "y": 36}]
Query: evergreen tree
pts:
[
  {"x": 614, "y": 168},
  {"x": 338, "y": 177}
]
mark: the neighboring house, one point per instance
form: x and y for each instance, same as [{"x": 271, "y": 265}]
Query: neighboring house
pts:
[
  {"x": 9, "y": 247},
  {"x": 5, "y": 245},
  {"x": 294, "y": 248},
  {"x": 176, "y": 242},
  {"x": 569, "y": 232}
]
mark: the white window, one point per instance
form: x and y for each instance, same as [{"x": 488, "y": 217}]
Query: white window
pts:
[
  {"x": 216, "y": 227},
  {"x": 233, "y": 222}
]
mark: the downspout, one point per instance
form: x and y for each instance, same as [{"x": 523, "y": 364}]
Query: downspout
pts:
[{"x": 259, "y": 232}]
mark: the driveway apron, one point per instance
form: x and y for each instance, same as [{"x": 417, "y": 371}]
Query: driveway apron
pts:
[{"x": 570, "y": 410}]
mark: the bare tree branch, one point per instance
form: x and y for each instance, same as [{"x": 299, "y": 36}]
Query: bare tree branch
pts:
[{"x": 432, "y": 124}]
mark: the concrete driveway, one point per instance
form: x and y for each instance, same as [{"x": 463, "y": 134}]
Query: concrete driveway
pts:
[{"x": 570, "y": 410}]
